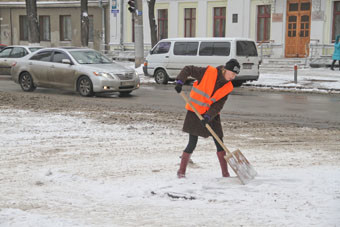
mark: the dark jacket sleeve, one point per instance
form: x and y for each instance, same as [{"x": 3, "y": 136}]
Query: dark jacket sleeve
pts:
[
  {"x": 191, "y": 71},
  {"x": 217, "y": 107}
]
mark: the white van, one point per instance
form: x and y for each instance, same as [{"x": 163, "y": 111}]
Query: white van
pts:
[{"x": 169, "y": 56}]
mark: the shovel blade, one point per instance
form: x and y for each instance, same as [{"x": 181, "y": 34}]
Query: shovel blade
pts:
[{"x": 241, "y": 166}]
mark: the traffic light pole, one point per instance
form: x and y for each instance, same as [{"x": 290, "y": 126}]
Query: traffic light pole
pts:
[{"x": 139, "y": 40}]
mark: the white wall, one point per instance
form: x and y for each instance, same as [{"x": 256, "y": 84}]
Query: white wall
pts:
[{"x": 321, "y": 20}]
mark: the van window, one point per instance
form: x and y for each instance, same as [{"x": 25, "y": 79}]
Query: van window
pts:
[
  {"x": 161, "y": 48},
  {"x": 214, "y": 48},
  {"x": 185, "y": 48},
  {"x": 246, "y": 48}
]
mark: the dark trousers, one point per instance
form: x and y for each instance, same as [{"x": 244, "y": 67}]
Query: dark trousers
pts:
[
  {"x": 333, "y": 63},
  {"x": 193, "y": 142}
]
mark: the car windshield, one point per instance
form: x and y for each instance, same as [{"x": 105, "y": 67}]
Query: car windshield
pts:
[
  {"x": 33, "y": 49},
  {"x": 90, "y": 57}
]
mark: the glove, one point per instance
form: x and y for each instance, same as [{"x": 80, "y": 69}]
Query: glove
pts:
[
  {"x": 178, "y": 86},
  {"x": 205, "y": 120}
]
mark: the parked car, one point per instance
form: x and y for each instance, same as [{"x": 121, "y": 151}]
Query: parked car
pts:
[
  {"x": 10, "y": 54},
  {"x": 169, "y": 56},
  {"x": 78, "y": 69}
]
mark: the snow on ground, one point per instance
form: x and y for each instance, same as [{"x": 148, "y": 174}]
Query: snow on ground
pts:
[
  {"x": 321, "y": 80},
  {"x": 308, "y": 79},
  {"x": 67, "y": 169}
]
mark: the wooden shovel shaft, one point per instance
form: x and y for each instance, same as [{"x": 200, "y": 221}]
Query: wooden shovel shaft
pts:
[{"x": 207, "y": 126}]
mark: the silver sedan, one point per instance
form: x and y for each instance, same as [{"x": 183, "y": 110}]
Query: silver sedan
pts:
[
  {"x": 11, "y": 53},
  {"x": 78, "y": 69}
]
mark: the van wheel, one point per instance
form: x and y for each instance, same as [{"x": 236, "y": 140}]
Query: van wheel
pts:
[
  {"x": 161, "y": 77},
  {"x": 237, "y": 83}
]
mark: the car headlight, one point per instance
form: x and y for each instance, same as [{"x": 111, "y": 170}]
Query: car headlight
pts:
[
  {"x": 136, "y": 74},
  {"x": 104, "y": 74}
]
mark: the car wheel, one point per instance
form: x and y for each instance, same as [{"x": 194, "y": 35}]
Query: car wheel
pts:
[
  {"x": 237, "y": 83},
  {"x": 26, "y": 82},
  {"x": 161, "y": 77},
  {"x": 85, "y": 87},
  {"x": 124, "y": 93}
]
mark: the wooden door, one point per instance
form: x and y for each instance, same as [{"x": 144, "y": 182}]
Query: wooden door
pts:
[{"x": 298, "y": 28}]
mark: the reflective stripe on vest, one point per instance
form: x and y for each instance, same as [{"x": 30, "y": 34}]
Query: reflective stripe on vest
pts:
[{"x": 200, "y": 95}]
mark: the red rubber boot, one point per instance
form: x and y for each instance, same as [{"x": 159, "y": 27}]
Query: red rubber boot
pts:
[
  {"x": 183, "y": 165},
  {"x": 223, "y": 163}
]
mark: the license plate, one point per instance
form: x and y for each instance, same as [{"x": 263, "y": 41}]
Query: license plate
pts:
[
  {"x": 247, "y": 66},
  {"x": 127, "y": 83}
]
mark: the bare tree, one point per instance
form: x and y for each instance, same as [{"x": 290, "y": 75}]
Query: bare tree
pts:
[
  {"x": 152, "y": 21},
  {"x": 84, "y": 17},
  {"x": 33, "y": 23}
]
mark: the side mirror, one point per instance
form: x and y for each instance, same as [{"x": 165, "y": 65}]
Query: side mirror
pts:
[{"x": 66, "y": 61}]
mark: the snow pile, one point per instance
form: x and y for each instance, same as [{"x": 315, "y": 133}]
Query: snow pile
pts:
[{"x": 309, "y": 79}]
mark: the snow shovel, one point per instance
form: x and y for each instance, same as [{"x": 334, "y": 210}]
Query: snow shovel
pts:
[{"x": 238, "y": 162}]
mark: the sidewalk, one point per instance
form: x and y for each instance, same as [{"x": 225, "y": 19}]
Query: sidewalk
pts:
[{"x": 319, "y": 80}]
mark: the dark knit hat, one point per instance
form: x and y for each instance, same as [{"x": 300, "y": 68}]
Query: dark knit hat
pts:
[{"x": 233, "y": 65}]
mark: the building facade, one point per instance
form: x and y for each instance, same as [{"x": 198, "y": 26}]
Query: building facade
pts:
[
  {"x": 59, "y": 23},
  {"x": 282, "y": 28}
]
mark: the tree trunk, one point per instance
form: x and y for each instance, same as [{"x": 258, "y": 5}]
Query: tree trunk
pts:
[
  {"x": 33, "y": 23},
  {"x": 84, "y": 21},
  {"x": 152, "y": 21}
]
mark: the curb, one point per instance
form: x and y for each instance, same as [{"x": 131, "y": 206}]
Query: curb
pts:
[
  {"x": 305, "y": 89},
  {"x": 4, "y": 77}
]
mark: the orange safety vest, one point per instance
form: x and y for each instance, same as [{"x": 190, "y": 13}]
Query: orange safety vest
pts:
[{"x": 200, "y": 95}]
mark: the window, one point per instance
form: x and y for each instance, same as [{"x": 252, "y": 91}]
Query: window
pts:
[
  {"x": 219, "y": 22},
  {"x": 304, "y": 26},
  {"x": 336, "y": 20},
  {"x": 292, "y": 20},
  {"x": 263, "y": 23},
  {"x": 185, "y": 48},
  {"x": 65, "y": 28},
  {"x": 305, "y": 6},
  {"x": 162, "y": 24},
  {"x": 34, "y": 49},
  {"x": 18, "y": 52},
  {"x": 58, "y": 56},
  {"x": 42, "y": 56},
  {"x": 246, "y": 48},
  {"x": 91, "y": 28},
  {"x": 214, "y": 49},
  {"x": 23, "y": 24},
  {"x": 5, "y": 52},
  {"x": 235, "y": 18},
  {"x": 162, "y": 48},
  {"x": 44, "y": 28},
  {"x": 189, "y": 22},
  {"x": 294, "y": 7}
]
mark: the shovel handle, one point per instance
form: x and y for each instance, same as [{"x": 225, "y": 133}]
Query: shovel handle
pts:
[{"x": 207, "y": 126}]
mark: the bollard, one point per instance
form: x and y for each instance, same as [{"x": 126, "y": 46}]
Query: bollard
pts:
[{"x": 295, "y": 73}]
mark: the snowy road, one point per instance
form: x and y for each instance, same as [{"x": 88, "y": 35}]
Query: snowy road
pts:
[{"x": 66, "y": 164}]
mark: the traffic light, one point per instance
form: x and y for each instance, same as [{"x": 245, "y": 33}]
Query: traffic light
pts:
[{"x": 132, "y": 6}]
